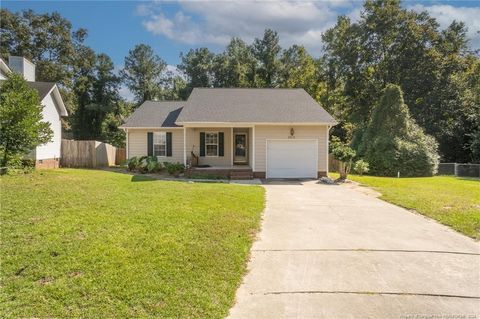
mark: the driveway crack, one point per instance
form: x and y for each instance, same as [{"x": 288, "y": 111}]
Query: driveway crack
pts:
[
  {"x": 369, "y": 293},
  {"x": 370, "y": 250}
]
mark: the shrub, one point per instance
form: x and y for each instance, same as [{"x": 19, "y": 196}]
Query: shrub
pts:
[
  {"x": 22, "y": 127},
  {"x": 149, "y": 164},
  {"x": 132, "y": 163},
  {"x": 361, "y": 167},
  {"x": 144, "y": 164},
  {"x": 174, "y": 168},
  {"x": 393, "y": 142},
  {"x": 344, "y": 154}
]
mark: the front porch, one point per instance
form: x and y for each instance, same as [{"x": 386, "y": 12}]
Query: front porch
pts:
[{"x": 219, "y": 151}]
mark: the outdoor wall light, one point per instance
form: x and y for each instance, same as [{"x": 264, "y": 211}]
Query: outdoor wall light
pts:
[{"x": 292, "y": 132}]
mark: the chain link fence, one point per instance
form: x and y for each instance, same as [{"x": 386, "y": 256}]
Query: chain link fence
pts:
[{"x": 459, "y": 169}]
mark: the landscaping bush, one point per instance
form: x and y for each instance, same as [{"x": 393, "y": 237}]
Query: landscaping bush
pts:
[
  {"x": 394, "y": 143},
  {"x": 344, "y": 154},
  {"x": 144, "y": 164},
  {"x": 174, "y": 168},
  {"x": 149, "y": 164},
  {"x": 361, "y": 167},
  {"x": 132, "y": 163}
]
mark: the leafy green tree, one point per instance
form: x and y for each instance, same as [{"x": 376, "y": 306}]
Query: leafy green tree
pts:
[
  {"x": 235, "y": 67},
  {"x": 96, "y": 89},
  {"x": 299, "y": 70},
  {"x": 393, "y": 142},
  {"x": 110, "y": 131},
  {"x": 175, "y": 88},
  {"x": 21, "y": 125},
  {"x": 266, "y": 51},
  {"x": 344, "y": 154},
  {"x": 197, "y": 65},
  {"x": 390, "y": 44},
  {"x": 46, "y": 39},
  {"x": 143, "y": 73}
]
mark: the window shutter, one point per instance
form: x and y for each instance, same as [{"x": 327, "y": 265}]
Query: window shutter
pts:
[
  {"x": 169, "y": 144},
  {"x": 202, "y": 143},
  {"x": 150, "y": 144},
  {"x": 220, "y": 144}
]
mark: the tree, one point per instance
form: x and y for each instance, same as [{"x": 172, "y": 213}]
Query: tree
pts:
[
  {"x": 21, "y": 125},
  {"x": 344, "y": 154},
  {"x": 266, "y": 52},
  {"x": 197, "y": 65},
  {"x": 235, "y": 67},
  {"x": 143, "y": 73},
  {"x": 389, "y": 44},
  {"x": 394, "y": 143},
  {"x": 110, "y": 131},
  {"x": 298, "y": 70},
  {"x": 46, "y": 39}
]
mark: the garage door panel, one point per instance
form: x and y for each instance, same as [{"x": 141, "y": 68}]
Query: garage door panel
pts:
[{"x": 292, "y": 158}]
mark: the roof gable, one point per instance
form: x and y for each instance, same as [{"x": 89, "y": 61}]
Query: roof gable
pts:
[
  {"x": 155, "y": 114},
  {"x": 217, "y": 105}
]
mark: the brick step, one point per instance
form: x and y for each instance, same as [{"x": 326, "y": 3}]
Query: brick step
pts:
[{"x": 241, "y": 175}]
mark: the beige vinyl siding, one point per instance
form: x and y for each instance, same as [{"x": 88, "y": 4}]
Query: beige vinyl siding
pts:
[
  {"x": 193, "y": 143},
  {"x": 262, "y": 133},
  {"x": 137, "y": 144}
]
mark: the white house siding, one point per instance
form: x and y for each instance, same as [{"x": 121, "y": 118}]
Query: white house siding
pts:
[
  {"x": 262, "y": 133},
  {"x": 193, "y": 143},
  {"x": 50, "y": 114},
  {"x": 137, "y": 144}
]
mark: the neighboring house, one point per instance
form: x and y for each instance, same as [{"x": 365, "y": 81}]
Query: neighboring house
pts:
[
  {"x": 265, "y": 133},
  {"x": 46, "y": 155}
]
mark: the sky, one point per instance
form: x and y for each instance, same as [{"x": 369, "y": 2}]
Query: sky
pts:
[{"x": 114, "y": 27}]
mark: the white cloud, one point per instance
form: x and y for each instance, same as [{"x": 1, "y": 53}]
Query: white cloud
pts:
[
  {"x": 301, "y": 22},
  {"x": 445, "y": 14},
  {"x": 214, "y": 22}
]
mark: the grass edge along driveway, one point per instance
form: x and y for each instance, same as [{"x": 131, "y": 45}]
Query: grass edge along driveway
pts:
[
  {"x": 97, "y": 244},
  {"x": 452, "y": 201}
]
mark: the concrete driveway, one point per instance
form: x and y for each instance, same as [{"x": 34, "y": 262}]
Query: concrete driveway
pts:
[{"x": 328, "y": 251}]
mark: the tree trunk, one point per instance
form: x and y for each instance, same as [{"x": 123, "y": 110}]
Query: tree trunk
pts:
[{"x": 342, "y": 169}]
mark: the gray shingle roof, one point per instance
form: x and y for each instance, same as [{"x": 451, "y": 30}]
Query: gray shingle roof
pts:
[
  {"x": 155, "y": 114},
  {"x": 42, "y": 87},
  {"x": 253, "y": 106}
]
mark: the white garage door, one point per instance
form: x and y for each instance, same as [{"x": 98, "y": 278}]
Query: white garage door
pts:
[{"x": 292, "y": 158}]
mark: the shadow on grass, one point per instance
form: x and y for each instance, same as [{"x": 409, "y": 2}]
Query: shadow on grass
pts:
[
  {"x": 474, "y": 179},
  {"x": 142, "y": 178}
]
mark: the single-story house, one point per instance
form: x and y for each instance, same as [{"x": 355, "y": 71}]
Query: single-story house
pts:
[
  {"x": 45, "y": 155},
  {"x": 261, "y": 133}
]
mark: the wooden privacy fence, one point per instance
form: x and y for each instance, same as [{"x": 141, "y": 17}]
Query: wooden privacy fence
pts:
[
  {"x": 332, "y": 163},
  {"x": 87, "y": 154},
  {"x": 120, "y": 156}
]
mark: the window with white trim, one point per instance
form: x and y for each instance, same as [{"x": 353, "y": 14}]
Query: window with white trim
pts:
[
  {"x": 160, "y": 144},
  {"x": 211, "y": 144}
]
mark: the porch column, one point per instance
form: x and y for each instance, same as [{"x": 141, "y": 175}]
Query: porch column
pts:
[
  {"x": 253, "y": 148},
  {"x": 231, "y": 143},
  {"x": 184, "y": 146},
  {"x": 126, "y": 145}
]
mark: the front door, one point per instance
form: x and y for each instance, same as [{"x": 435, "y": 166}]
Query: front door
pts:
[{"x": 240, "y": 155}]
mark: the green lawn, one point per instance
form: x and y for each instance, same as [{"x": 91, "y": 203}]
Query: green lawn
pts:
[
  {"x": 97, "y": 244},
  {"x": 452, "y": 201}
]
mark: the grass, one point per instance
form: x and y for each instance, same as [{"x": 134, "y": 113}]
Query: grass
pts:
[
  {"x": 453, "y": 201},
  {"x": 97, "y": 244}
]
